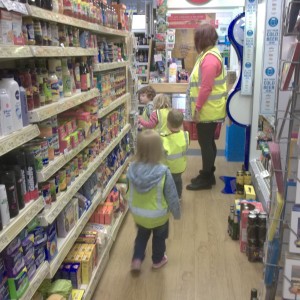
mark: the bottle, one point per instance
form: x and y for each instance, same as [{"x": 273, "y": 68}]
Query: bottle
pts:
[
  {"x": 8, "y": 179},
  {"x": 46, "y": 86},
  {"x": 54, "y": 86},
  {"x": 38, "y": 36},
  {"x": 28, "y": 23},
  {"x": 71, "y": 70},
  {"x": 31, "y": 176},
  {"x": 6, "y": 121},
  {"x": 172, "y": 72},
  {"x": 35, "y": 88},
  {"x": 66, "y": 77},
  {"x": 12, "y": 88},
  {"x": 235, "y": 228},
  {"x": 20, "y": 186},
  {"x": 229, "y": 220},
  {"x": 24, "y": 106},
  {"x": 253, "y": 295},
  {"x": 4, "y": 209},
  {"x": 141, "y": 57},
  {"x": 84, "y": 76},
  {"x": 77, "y": 75}
]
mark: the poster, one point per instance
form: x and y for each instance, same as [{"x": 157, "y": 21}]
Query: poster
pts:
[
  {"x": 190, "y": 20},
  {"x": 271, "y": 57}
]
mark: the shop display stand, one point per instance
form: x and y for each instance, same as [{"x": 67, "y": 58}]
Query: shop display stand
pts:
[
  {"x": 12, "y": 54},
  {"x": 147, "y": 48},
  {"x": 287, "y": 121}
]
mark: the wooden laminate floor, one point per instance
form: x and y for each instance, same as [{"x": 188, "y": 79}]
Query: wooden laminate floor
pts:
[{"x": 204, "y": 263}]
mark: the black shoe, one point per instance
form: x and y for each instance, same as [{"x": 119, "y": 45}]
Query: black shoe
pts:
[
  {"x": 203, "y": 182},
  {"x": 212, "y": 177}
]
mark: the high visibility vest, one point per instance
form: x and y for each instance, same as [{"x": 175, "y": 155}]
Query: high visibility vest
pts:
[
  {"x": 162, "y": 126},
  {"x": 149, "y": 209},
  {"x": 175, "y": 147},
  {"x": 215, "y": 107},
  {"x": 145, "y": 111}
]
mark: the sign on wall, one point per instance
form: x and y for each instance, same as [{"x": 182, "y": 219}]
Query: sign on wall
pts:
[
  {"x": 249, "y": 47},
  {"x": 190, "y": 20},
  {"x": 271, "y": 57},
  {"x": 199, "y": 2}
]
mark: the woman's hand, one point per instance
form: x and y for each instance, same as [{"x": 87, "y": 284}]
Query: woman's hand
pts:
[{"x": 196, "y": 116}]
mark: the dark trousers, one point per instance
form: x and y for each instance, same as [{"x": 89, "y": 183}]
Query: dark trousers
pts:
[
  {"x": 178, "y": 182},
  {"x": 160, "y": 234},
  {"x": 206, "y": 140}
]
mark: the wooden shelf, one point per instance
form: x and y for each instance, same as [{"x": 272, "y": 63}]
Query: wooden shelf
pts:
[{"x": 109, "y": 66}]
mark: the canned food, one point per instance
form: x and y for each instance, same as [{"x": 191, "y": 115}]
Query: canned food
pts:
[
  {"x": 62, "y": 179},
  {"x": 80, "y": 162},
  {"x": 75, "y": 164},
  {"x": 247, "y": 178},
  {"x": 45, "y": 189},
  {"x": 55, "y": 142},
  {"x": 52, "y": 188},
  {"x": 68, "y": 174}
]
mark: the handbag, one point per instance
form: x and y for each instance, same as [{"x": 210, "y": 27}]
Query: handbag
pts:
[{"x": 191, "y": 127}]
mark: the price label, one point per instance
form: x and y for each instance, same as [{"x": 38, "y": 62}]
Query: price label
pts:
[{"x": 265, "y": 174}]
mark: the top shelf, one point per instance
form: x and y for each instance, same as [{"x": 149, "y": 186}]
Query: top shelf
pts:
[
  {"x": 143, "y": 46},
  {"x": 47, "y": 15}
]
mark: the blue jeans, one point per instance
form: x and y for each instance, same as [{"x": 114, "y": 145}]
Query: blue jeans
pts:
[
  {"x": 178, "y": 183},
  {"x": 160, "y": 234}
]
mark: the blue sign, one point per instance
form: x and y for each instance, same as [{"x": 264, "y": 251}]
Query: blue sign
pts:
[
  {"x": 248, "y": 65},
  {"x": 270, "y": 71},
  {"x": 273, "y": 22}
]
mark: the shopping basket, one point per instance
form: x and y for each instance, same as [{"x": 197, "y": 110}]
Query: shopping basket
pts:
[{"x": 191, "y": 127}]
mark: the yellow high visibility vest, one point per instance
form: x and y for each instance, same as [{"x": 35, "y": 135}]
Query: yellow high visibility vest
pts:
[
  {"x": 215, "y": 107},
  {"x": 162, "y": 126},
  {"x": 175, "y": 147},
  {"x": 149, "y": 209},
  {"x": 144, "y": 114}
]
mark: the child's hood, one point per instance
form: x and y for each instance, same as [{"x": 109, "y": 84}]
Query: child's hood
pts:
[{"x": 145, "y": 176}]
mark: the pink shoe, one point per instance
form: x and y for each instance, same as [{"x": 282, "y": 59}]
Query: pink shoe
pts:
[
  {"x": 136, "y": 265},
  {"x": 161, "y": 263}
]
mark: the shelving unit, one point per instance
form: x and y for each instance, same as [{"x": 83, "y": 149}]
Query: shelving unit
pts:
[
  {"x": 48, "y": 215},
  {"x": 47, "y": 111},
  {"x": 98, "y": 272},
  {"x": 145, "y": 76},
  {"x": 17, "y": 224},
  {"x": 65, "y": 244}
]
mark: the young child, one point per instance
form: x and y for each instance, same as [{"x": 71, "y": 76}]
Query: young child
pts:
[
  {"x": 158, "y": 118},
  {"x": 151, "y": 196},
  {"x": 175, "y": 145},
  {"x": 146, "y": 96}
]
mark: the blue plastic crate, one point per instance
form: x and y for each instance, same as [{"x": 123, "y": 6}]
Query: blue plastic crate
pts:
[{"x": 235, "y": 143}]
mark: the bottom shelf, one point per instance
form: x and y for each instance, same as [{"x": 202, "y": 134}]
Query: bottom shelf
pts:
[{"x": 98, "y": 271}]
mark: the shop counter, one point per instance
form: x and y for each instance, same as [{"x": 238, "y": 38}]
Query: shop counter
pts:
[{"x": 170, "y": 88}]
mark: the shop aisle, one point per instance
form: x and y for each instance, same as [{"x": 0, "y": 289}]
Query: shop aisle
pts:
[{"x": 204, "y": 263}]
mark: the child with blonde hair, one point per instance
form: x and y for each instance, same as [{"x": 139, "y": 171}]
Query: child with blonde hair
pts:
[
  {"x": 176, "y": 144},
  {"x": 151, "y": 196},
  {"x": 158, "y": 118}
]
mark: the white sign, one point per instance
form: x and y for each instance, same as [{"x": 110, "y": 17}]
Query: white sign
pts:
[
  {"x": 249, "y": 47},
  {"x": 271, "y": 57}
]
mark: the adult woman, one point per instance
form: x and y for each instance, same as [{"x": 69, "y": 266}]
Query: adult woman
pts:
[{"x": 206, "y": 101}]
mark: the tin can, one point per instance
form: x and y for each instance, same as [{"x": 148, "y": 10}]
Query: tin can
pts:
[
  {"x": 55, "y": 142},
  {"x": 80, "y": 162},
  {"x": 68, "y": 174},
  {"x": 57, "y": 188},
  {"x": 72, "y": 171},
  {"x": 75, "y": 164},
  {"x": 247, "y": 178},
  {"x": 45, "y": 189},
  {"x": 52, "y": 188},
  {"x": 62, "y": 179},
  {"x": 50, "y": 148},
  {"x": 240, "y": 182}
]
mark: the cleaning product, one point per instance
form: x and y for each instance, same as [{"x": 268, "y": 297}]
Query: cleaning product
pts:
[{"x": 173, "y": 72}]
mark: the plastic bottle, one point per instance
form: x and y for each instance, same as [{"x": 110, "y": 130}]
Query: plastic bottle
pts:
[
  {"x": 11, "y": 86},
  {"x": 24, "y": 106},
  {"x": 66, "y": 77},
  {"x": 8, "y": 179},
  {"x": 6, "y": 119},
  {"x": 172, "y": 72},
  {"x": 4, "y": 206},
  {"x": 54, "y": 86}
]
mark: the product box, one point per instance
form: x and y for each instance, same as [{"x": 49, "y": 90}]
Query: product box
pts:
[
  {"x": 244, "y": 223},
  {"x": 294, "y": 241},
  {"x": 87, "y": 265},
  {"x": 17, "y": 29},
  {"x": 75, "y": 275},
  {"x": 18, "y": 285},
  {"x": 249, "y": 192},
  {"x": 51, "y": 248},
  {"x": 67, "y": 219},
  {"x": 297, "y": 201},
  {"x": 291, "y": 278},
  {"x": 77, "y": 294},
  {"x": 6, "y": 30}
]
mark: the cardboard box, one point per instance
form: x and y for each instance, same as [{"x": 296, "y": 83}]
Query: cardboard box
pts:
[
  {"x": 87, "y": 265},
  {"x": 6, "y": 30},
  {"x": 291, "y": 280},
  {"x": 249, "y": 192},
  {"x": 294, "y": 241}
]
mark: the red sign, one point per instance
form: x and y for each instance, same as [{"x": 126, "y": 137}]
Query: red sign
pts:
[
  {"x": 198, "y": 1},
  {"x": 189, "y": 20}
]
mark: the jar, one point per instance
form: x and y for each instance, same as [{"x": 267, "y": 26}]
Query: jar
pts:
[
  {"x": 47, "y": 86},
  {"x": 62, "y": 180},
  {"x": 38, "y": 36},
  {"x": 54, "y": 86},
  {"x": 35, "y": 88}
]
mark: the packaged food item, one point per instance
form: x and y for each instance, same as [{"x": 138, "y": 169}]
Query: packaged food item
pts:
[
  {"x": 17, "y": 29},
  {"x": 6, "y": 29}
]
